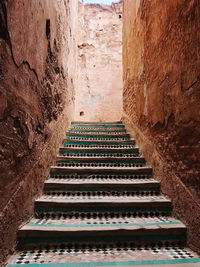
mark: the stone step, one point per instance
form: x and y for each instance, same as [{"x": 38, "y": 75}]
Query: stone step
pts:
[
  {"x": 96, "y": 123},
  {"x": 98, "y": 179},
  {"x": 100, "y": 135},
  {"x": 141, "y": 172},
  {"x": 105, "y": 216},
  {"x": 99, "y": 144},
  {"x": 114, "y": 160},
  {"x": 97, "y": 127},
  {"x": 65, "y": 204},
  {"x": 100, "y": 131},
  {"x": 30, "y": 234},
  {"x": 83, "y": 189},
  {"x": 99, "y": 220},
  {"x": 122, "y": 254},
  {"x": 96, "y": 184},
  {"x": 99, "y": 152},
  {"x": 97, "y": 137},
  {"x": 100, "y": 162},
  {"x": 114, "y": 125}
]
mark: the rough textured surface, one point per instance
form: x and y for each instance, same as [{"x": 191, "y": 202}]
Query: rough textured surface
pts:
[
  {"x": 161, "y": 57},
  {"x": 99, "y": 91},
  {"x": 37, "y": 77}
]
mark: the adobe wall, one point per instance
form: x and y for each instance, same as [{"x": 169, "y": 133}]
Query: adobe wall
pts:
[
  {"x": 37, "y": 80},
  {"x": 161, "y": 96},
  {"x": 99, "y": 91}
]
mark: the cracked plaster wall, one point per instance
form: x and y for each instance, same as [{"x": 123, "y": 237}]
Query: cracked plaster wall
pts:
[
  {"x": 161, "y": 96},
  {"x": 99, "y": 91},
  {"x": 37, "y": 80}
]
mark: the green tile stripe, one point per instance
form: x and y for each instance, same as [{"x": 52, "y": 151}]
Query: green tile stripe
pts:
[
  {"x": 102, "y": 209},
  {"x": 92, "y": 189},
  {"x": 122, "y": 263},
  {"x": 103, "y": 225},
  {"x": 98, "y": 143}
]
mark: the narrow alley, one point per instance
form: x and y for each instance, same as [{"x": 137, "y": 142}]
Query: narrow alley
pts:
[{"x": 99, "y": 133}]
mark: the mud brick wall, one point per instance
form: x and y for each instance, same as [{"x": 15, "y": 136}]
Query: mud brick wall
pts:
[
  {"x": 161, "y": 96},
  {"x": 37, "y": 80}
]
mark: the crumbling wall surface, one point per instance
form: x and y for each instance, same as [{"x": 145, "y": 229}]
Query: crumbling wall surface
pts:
[
  {"x": 37, "y": 79},
  {"x": 99, "y": 91},
  {"x": 161, "y": 96}
]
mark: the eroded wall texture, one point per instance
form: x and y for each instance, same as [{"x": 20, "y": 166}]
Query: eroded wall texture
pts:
[
  {"x": 99, "y": 91},
  {"x": 37, "y": 80},
  {"x": 161, "y": 59}
]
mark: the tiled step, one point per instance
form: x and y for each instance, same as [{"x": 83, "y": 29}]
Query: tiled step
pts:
[
  {"x": 94, "y": 234},
  {"x": 115, "y": 254},
  {"x": 97, "y": 137},
  {"x": 105, "y": 217},
  {"x": 105, "y": 189},
  {"x": 97, "y": 127},
  {"x": 122, "y": 160},
  {"x": 99, "y": 144},
  {"x": 100, "y": 131},
  {"x": 96, "y": 179},
  {"x": 101, "y": 135},
  {"x": 100, "y": 162},
  {"x": 109, "y": 126},
  {"x": 100, "y": 220},
  {"x": 96, "y": 123},
  {"x": 96, "y": 184},
  {"x": 100, "y": 152},
  {"x": 140, "y": 205},
  {"x": 133, "y": 172}
]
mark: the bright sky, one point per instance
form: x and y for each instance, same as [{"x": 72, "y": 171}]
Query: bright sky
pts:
[{"x": 107, "y": 2}]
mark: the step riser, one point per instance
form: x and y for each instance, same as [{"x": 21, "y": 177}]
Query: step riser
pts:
[
  {"x": 100, "y": 165},
  {"x": 97, "y": 124},
  {"x": 147, "y": 172},
  {"x": 99, "y": 130},
  {"x": 142, "y": 237},
  {"x": 100, "y": 160},
  {"x": 122, "y": 234},
  {"x": 78, "y": 206},
  {"x": 83, "y": 193},
  {"x": 104, "y": 142},
  {"x": 98, "y": 144},
  {"x": 123, "y": 151},
  {"x": 103, "y": 135},
  {"x": 97, "y": 133},
  {"x": 99, "y": 139},
  {"x": 103, "y": 214},
  {"x": 67, "y": 152},
  {"x": 107, "y": 127},
  {"x": 102, "y": 186}
]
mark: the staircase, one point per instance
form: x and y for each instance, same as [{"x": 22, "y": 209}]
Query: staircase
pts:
[{"x": 102, "y": 207}]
